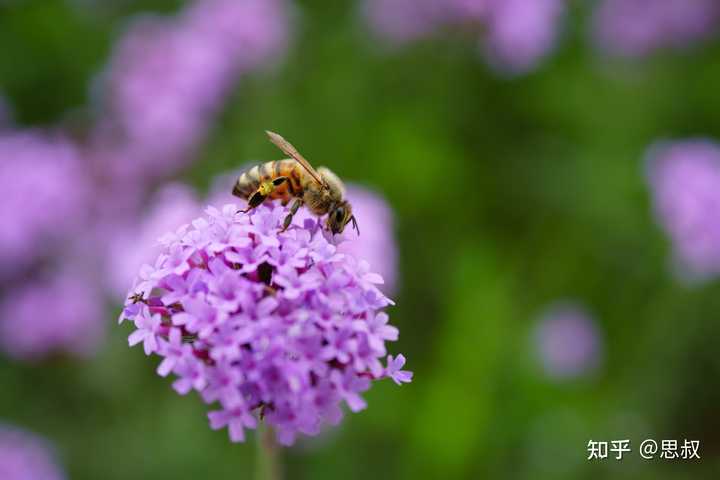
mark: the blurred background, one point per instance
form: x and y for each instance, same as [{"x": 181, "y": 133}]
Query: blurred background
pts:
[{"x": 541, "y": 181}]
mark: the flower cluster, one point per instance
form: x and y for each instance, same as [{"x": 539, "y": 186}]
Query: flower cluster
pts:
[
  {"x": 269, "y": 324},
  {"x": 636, "y": 28},
  {"x": 685, "y": 181},
  {"x": 168, "y": 76},
  {"x": 568, "y": 341},
  {"x": 376, "y": 245},
  {"x": 61, "y": 312},
  {"x": 375, "y": 215},
  {"x": 176, "y": 203},
  {"x": 517, "y": 34},
  {"x": 45, "y": 193},
  {"x": 24, "y": 456}
]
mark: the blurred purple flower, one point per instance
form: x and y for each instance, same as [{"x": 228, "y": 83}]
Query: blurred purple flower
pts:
[
  {"x": 635, "y": 28},
  {"x": 516, "y": 34},
  {"x": 521, "y": 32},
  {"x": 61, "y": 312},
  {"x": 568, "y": 341},
  {"x": 685, "y": 181},
  {"x": 168, "y": 77},
  {"x": 402, "y": 21},
  {"x": 376, "y": 243},
  {"x": 287, "y": 339},
  {"x": 25, "y": 456},
  {"x": 137, "y": 241},
  {"x": 44, "y": 199}
]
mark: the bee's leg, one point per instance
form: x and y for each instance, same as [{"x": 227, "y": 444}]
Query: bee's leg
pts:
[
  {"x": 293, "y": 211},
  {"x": 255, "y": 200},
  {"x": 259, "y": 196},
  {"x": 265, "y": 189}
]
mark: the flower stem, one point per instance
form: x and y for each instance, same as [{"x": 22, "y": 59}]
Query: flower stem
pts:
[{"x": 267, "y": 465}]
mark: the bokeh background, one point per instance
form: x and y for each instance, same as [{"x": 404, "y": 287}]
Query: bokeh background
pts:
[{"x": 549, "y": 216}]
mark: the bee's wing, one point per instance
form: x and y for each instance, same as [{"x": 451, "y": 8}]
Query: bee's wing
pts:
[{"x": 286, "y": 147}]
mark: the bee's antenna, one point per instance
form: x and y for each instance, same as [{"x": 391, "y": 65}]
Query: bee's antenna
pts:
[{"x": 355, "y": 225}]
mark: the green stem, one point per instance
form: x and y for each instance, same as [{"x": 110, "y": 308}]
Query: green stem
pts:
[{"x": 267, "y": 466}]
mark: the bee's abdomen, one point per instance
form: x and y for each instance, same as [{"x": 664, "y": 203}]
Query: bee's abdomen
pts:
[{"x": 250, "y": 180}]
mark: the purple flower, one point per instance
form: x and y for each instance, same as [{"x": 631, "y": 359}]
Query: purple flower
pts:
[
  {"x": 516, "y": 34},
  {"x": 45, "y": 195},
  {"x": 394, "y": 371},
  {"x": 286, "y": 339},
  {"x": 402, "y": 21},
  {"x": 376, "y": 242},
  {"x": 25, "y": 456},
  {"x": 521, "y": 32},
  {"x": 635, "y": 28},
  {"x": 568, "y": 341},
  {"x": 249, "y": 32},
  {"x": 685, "y": 181},
  {"x": 168, "y": 76},
  {"x": 60, "y": 312}
]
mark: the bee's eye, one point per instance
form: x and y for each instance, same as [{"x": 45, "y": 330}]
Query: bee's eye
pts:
[{"x": 339, "y": 214}]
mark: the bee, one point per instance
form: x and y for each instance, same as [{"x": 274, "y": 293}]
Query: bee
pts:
[{"x": 320, "y": 190}]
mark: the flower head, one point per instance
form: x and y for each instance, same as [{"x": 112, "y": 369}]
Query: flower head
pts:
[
  {"x": 58, "y": 313},
  {"x": 376, "y": 243},
  {"x": 520, "y": 33},
  {"x": 168, "y": 76},
  {"x": 685, "y": 181},
  {"x": 45, "y": 194},
  {"x": 515, "y": 34},
  {"x": 24, "y": 456},
  {"x": 270, "y": 325},
  {"x": 636, "y": 28},
  {"x": 568, "y": 341}
]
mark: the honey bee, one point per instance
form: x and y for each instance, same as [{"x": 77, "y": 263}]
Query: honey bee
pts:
[{"x": 321, "y": 190}]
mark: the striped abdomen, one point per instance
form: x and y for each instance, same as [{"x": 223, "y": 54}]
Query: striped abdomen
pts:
[{"x": 251, "y": 179}]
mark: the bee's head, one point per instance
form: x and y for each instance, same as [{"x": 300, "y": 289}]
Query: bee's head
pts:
[{"x": 340, "y": 216}]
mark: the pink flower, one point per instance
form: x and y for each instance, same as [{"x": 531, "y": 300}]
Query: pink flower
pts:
[
  {"x": 60, "y": 312},
  {"x": 287, "y": 339},
  {"x": 25, "y": 456}
]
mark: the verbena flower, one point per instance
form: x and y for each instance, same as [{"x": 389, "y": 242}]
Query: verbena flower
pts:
[
  {"x": 685, "y": 181},
  {"x": 377, "y": 242},
  {"x": 401, "y": 21},
  {"x": 25, "y": 456},
  {"x": 56, "y": 313},
  {"x": 268, "y": 324},
  {"x": 45, "y": 195},
  {"x": 520, "y": 33},
  {"x": 635, "y": 28},
  {"x": 515, "y": 34},
  {"x": 168, "y": 76},
  {"x": 568, "y": 341}
]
